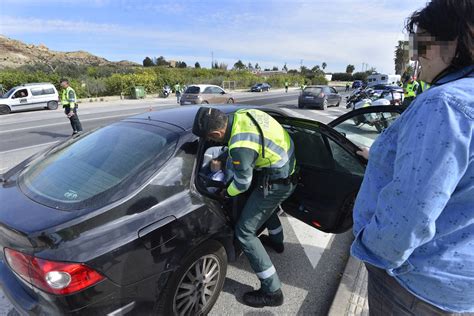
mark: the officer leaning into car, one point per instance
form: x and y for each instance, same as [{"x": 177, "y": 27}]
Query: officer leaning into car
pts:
[
  {"x": 256, "y": 142},
  {"x": 69, "y": 102}
]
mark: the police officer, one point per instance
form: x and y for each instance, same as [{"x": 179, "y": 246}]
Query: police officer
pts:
[
  {"x": 69, "y": 102},
  {"x": 422, "y": 87},
  {"x": 177, "y": 90},
  {"x": 256, "y": 142},
  {"x": 286, "y": 86},
  {"x": 411, "y": 86}
]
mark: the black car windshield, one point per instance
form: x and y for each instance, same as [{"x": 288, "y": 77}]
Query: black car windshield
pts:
[
  {"x": 99, "y": 168},
  {"x": 192, "y": 89}
]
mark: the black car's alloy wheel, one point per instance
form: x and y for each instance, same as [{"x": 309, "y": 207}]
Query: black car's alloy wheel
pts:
[{"x": 194, "y": 288}]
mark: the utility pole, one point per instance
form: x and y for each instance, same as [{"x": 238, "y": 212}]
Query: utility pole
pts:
[
  {"x": 212, "y": 60},
  {"x": 301, "y": 63}
]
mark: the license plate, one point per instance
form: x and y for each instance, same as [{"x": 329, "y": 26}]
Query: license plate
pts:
[
  {"x": 186, "y": 102},
  {"x": 308, "y": 97}
]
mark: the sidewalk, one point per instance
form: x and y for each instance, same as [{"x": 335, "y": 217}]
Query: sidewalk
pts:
[{"x": 351, "y": 295}]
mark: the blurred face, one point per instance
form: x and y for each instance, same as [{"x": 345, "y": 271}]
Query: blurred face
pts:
[
  {"x": 433, "y": 55},
  {"x": 64, "y": 84},
  {"x": 216, "y": 165}
]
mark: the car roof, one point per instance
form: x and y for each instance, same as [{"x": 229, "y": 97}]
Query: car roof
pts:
[
  {"x": 35, "y": 84},
  {"x": 203, "y": 86},
  {"x": 183, "y": 117}
]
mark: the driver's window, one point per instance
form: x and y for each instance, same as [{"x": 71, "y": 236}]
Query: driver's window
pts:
[
  {"x": 23, "y": 93},
  {"x": 218, "y": 90},
  {"x": 363, "y": 129},
  {"x": 208, "y": 90}
]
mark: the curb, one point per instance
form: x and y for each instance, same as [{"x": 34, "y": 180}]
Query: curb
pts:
[{"x": 351, "y": 294}]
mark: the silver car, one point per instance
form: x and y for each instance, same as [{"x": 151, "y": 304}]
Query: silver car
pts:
[{"x": 205, "y": 94}]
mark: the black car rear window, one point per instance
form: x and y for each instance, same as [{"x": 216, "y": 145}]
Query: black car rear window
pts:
[
  {"x": 313, "y": 90},
  {"x": 192, "y": 89},
  {"x": 100, "y": 167}
]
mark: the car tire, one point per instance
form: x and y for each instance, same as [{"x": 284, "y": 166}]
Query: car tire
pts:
[
  {"x": 300, "y": 106},
  {"x": 325, "y": 105},
  {"x": 230, "y": 101},
  {"x": 4, "y": 109},
  {"x": 52, "y": 105},
  {"x": 338, "y": 103},
  {"x": 182, "y": 293}
]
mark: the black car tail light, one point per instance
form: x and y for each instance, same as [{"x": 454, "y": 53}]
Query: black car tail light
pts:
[{"x": 61, "y": 278}]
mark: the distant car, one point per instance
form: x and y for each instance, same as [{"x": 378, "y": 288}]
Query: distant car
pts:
[
  {"x": 357, "y": 84},
  {"x": 205, "y": 94},
  {"x": 319, "y": 96},
  {"x": 259, "y": 87},
  {"x": 28, "y": 97}
]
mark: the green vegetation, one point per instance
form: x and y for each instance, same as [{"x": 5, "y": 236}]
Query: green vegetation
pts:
[{"x": 115, "y": 80}]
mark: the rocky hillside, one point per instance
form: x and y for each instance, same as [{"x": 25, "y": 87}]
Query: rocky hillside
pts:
[{"x": 15, "y": 53}]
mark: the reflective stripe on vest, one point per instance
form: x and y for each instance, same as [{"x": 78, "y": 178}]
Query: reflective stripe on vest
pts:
[
  {"x": 424, "y": 85},
  {"x": 410, "y": 90},
  {"x": 278, "y": 144},
  {"x": 65, "y": 101}
]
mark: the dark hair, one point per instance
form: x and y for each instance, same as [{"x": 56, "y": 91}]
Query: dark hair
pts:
[
  {"x": 63, "y": 80},
  {"x": 216, "y": 120},
  {"x": 448, "y": 20}
]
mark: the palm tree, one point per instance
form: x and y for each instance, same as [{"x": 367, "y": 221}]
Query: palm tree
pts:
[
  {"x": 324, "y": 65},
  {"x": 402, "y": 57}
]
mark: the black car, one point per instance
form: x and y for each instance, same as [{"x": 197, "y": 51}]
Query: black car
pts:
[
  {"x": 122, "y": 219},
  {"x": 260, "y": 87},
  {"x": 319, "y": 97}
]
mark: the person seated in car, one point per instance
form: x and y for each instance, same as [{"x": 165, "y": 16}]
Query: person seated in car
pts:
[{"x": 216, "y": 173}]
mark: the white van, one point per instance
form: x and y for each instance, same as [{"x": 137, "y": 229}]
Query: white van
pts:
[
  {"x": 375, "y": 79},
  {"x": 29, "y": 96}
]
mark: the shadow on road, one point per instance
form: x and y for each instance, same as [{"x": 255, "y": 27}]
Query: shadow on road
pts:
[{"x": 50, "y": 134}]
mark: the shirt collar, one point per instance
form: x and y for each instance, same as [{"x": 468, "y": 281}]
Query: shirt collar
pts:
[
  {"x": 229, "y": 128},
  {"x": 464, "y": 72}
]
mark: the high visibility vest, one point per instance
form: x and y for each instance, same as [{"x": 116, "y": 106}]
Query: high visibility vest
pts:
[
  {"x": 423, "y": 86},
  {"x": 177, "y": 88},
  {"x": 278, "y": 146},
  {"x": 410, "y": 89},
  {"x": 66, "y": 100}
]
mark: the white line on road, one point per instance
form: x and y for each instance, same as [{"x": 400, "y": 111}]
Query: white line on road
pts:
[
  {"x": 63, "y": 123},
  {"x": 27, "y": 147}
]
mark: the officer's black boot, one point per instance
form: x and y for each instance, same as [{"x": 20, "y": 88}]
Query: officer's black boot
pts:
[
  {"x": 267, "y": 241},
  {"x": 260, "y": 298}
]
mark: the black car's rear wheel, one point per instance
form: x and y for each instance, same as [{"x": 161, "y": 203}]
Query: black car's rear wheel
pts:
[
  {"x": 230, "y": 101},
  {"x": 194, "y": 288}
]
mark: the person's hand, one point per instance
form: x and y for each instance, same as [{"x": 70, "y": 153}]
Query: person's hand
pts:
[
  {"x": 223, "y": 194},
  {"x": 363, "y": 152},
  {"x": 70, "y": 114}
]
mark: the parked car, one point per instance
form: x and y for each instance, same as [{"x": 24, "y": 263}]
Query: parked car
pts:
[
  {"x": 29, "y": 96},
  {"x": 259, "y": 87},
  {"x": 357, "y": 84},
  {"x": 319, "y": 96},
  {"x": 205, "y": 94},
  {"x": 121, "y": 220}
]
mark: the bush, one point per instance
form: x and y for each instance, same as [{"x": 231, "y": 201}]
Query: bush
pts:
[{"x": 341, "y": 76}]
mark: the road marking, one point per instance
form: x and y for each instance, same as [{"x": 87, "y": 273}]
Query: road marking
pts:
[
  {"x": 64, "y": 123},
  {"x": 28, "y": 147},
  {"x": 313, "y": 241}
]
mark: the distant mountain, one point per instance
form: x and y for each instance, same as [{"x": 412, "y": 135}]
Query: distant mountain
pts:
[{"x": 14, "y": 54}]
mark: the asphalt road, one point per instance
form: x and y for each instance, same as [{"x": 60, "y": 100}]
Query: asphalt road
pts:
[{"x": 311, "y": 266}]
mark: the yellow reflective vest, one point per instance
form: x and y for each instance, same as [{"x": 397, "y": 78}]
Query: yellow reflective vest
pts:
[{"x": 68, "y": 97}]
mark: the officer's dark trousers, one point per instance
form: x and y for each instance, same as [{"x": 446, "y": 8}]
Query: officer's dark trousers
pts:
[
  {"x": 260, "y": 210},
  {"x": 75, "y": 123}
]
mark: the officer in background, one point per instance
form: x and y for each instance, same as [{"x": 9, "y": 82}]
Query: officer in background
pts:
[
  {"x": 177, "y": 90},
  {"x": 286, "y": 86},
  {"x": 69, "y": 102},
  {"x": 410, "y": 89},
  {"x": 422, "y": 87},
  {"x": 256, "y": 142}
]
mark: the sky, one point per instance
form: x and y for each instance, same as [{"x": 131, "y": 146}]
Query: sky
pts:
[{"x": 270, "y": 33}]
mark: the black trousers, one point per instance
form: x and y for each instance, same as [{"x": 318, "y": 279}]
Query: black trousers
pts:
[{"x": 75, "y": 123}]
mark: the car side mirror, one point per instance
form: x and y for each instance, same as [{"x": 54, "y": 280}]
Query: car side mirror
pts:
[{"x": 223, "y": 92}]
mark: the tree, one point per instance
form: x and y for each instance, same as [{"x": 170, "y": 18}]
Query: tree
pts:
[
  {"x": 266, "y": 69},
  {"x": 402, "y": 57},
  {"x": 181, "y": 64},
  {"x": 161, "y": 61},
  {"x": 239, "y": 65},
  {"x": 223, "y": 66},
  {"x": 147, "y": 62},
  {"x": 285, "y": 68},
  {"x": 257, "y": 66},
  {"x": 197, "y": 65},
  {"x": 350, "y": 69},
  {"x": 249, "y": 66},
  {"x": 324, "y": 65},
  {"x": 360, "y": 76},
  {"x": 275, "y": 68}
]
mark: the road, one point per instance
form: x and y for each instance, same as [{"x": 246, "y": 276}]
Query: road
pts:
[{"x": 312, "y": 263}]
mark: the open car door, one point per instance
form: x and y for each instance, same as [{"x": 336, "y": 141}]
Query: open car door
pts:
[{"x": 330, "y": 171}]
